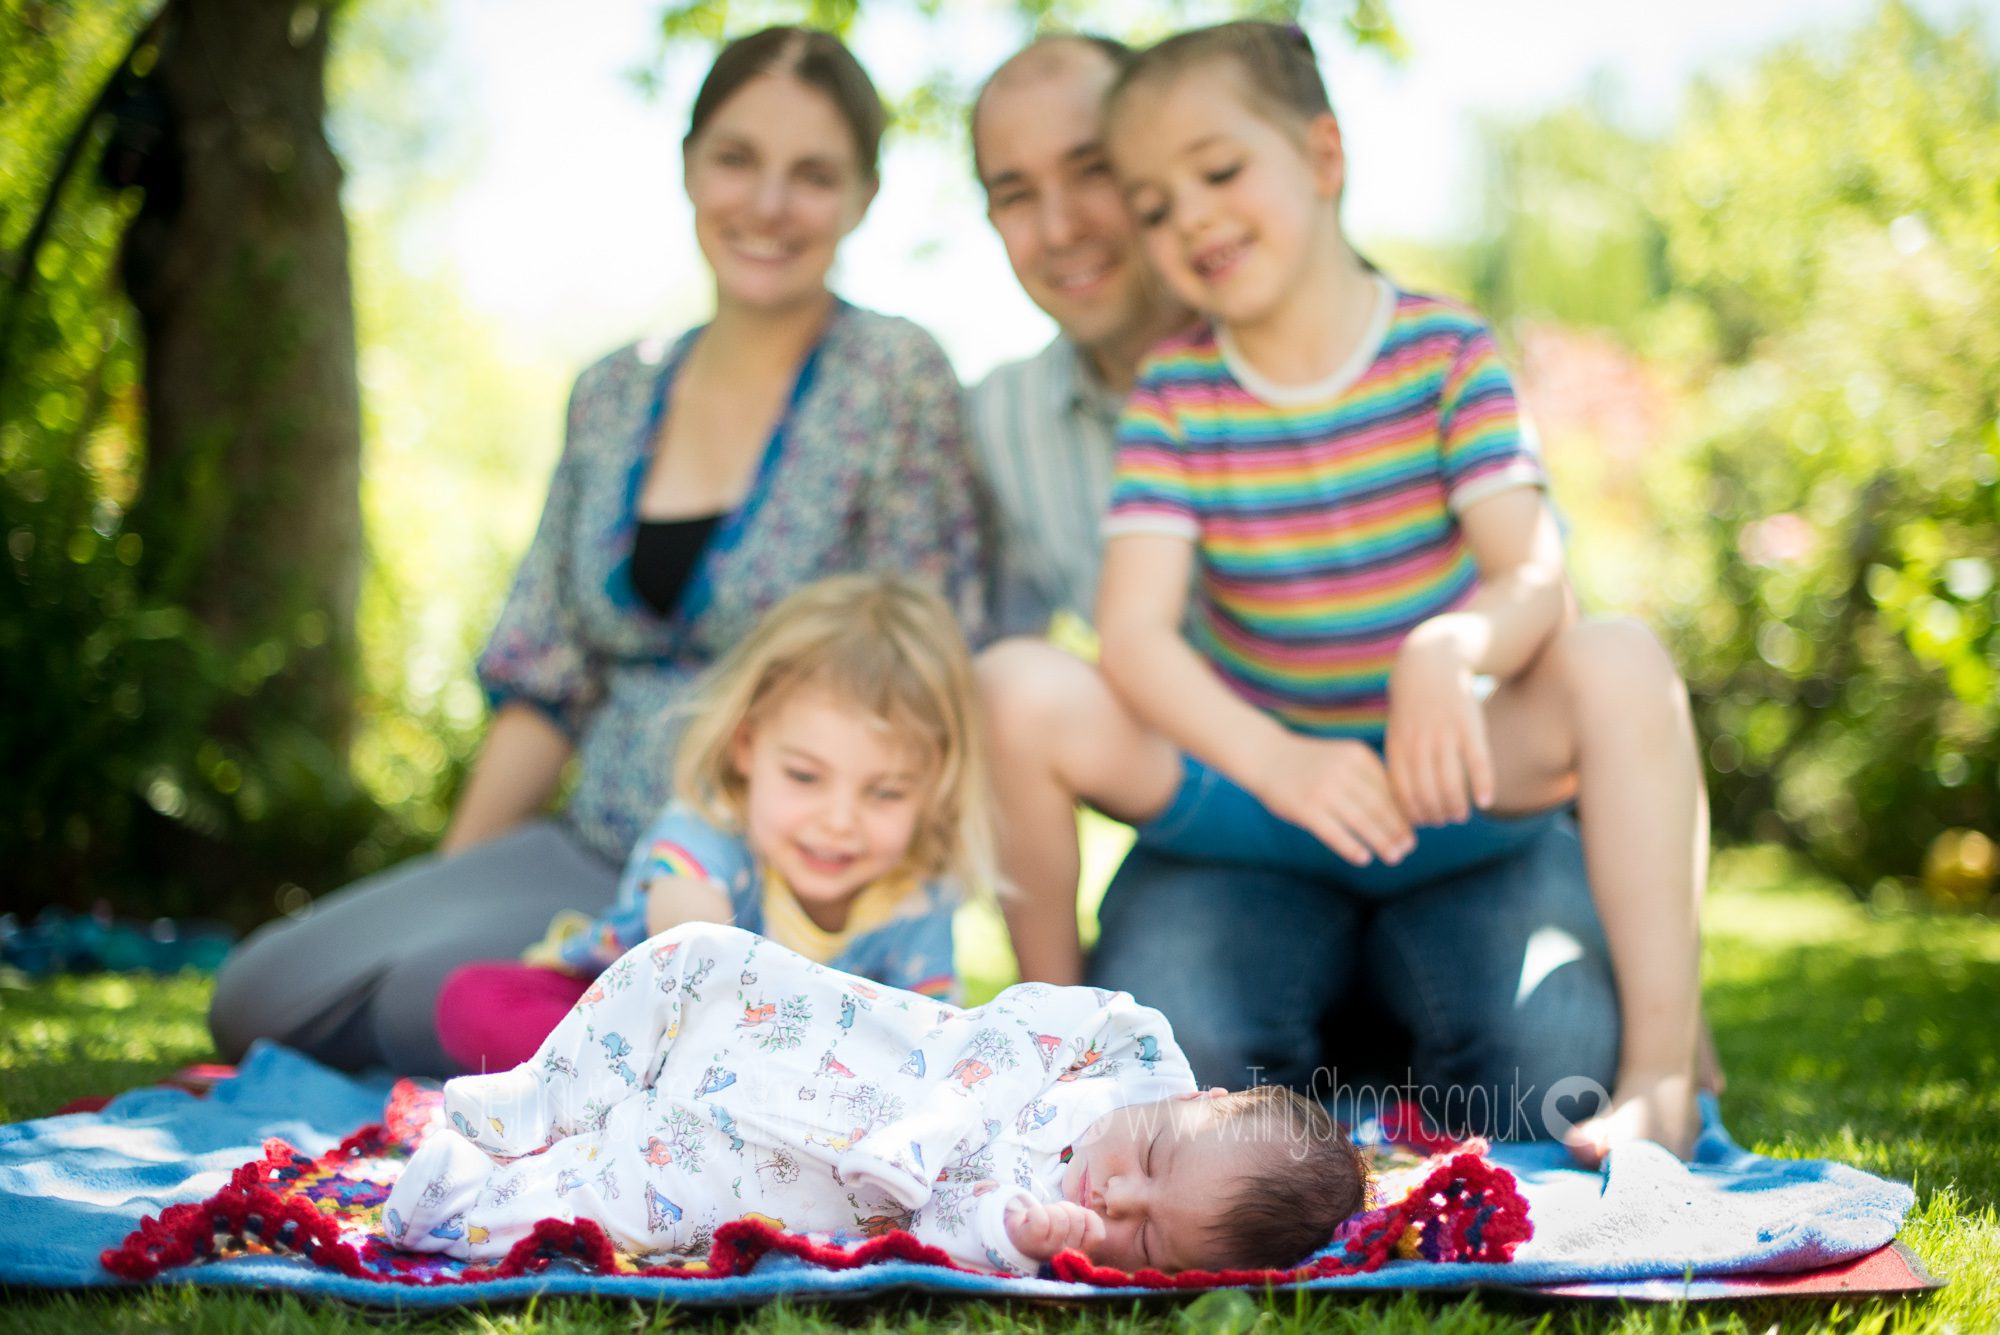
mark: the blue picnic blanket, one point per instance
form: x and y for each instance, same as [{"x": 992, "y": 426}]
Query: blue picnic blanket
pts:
[{"x": 71, "y": 1186}]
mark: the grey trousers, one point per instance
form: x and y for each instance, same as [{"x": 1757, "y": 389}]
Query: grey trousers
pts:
[{"x": 354, "y": 981}]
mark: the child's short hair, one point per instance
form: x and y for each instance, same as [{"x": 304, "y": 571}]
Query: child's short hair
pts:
[
  {"x": 891, "y": 649},
  {"x": 1309, "y": 1181},
  {"x": 1279, "y": 71}
]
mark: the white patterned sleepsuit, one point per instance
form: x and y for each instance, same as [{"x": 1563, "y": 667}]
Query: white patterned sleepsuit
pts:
[{"x": 711, "y": 1074}]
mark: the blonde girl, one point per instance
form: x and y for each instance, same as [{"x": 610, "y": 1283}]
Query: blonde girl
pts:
[{"x": 830, "y": 794}]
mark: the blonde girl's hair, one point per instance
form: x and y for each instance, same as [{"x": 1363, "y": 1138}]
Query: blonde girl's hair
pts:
[
  {"x": 888, "y": 648},
  {"x": 1279, "y": 73}
]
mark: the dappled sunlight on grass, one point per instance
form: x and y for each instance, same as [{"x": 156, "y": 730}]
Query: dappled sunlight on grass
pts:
[
  {"x": 1867, "y": 1037},
  {"x": 68, "y": 1037}
]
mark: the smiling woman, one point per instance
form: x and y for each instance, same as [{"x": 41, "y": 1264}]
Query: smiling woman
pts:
[
  {"x": 703, "y": 479},
  {"x": 780, "y": 167}
]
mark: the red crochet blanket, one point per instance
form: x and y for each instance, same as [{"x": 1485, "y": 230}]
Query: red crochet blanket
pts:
[{"x": 1453, "y": 1206}]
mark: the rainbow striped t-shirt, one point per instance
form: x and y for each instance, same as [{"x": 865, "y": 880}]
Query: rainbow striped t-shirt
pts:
[{"x": 1323, "y": 515}]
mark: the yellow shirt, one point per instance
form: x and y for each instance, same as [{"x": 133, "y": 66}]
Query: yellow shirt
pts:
[{"x": 786, "y": 921}]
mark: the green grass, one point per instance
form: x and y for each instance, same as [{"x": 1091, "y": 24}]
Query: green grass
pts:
[{"x": 1846, "y": 1034}]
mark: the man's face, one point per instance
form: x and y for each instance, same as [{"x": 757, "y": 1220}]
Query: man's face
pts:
[{"x": 1051, "y": 196}]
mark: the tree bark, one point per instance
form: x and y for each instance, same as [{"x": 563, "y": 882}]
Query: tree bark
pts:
[{"x": 237, "y": 266}]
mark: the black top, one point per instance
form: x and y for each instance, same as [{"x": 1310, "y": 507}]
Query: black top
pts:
[{"x": 664, "y": 557}]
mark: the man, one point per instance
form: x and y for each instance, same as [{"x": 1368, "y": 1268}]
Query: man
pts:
[
  {"x": 1046, "y": 425},
  {"x": 1500, "y": 976}
]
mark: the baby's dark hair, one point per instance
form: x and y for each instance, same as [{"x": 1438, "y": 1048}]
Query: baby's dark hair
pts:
[
  {"x": 1279, "y": 72},
  {"x": 1309, "y": 1180}
]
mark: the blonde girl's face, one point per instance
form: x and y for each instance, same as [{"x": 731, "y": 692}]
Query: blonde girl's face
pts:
[
  {"x": 1232, "y": 208},
  {"x": 832, "y": 799},
  {"x": 776, "y": 183}
]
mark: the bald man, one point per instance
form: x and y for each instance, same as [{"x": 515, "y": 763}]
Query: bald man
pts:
[
  {"x": 1046, "y": 426},
  {"x": 1500, "y": 977}
]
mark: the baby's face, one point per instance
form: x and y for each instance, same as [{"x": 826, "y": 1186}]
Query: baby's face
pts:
[{"x": 1157, "y": 1173}]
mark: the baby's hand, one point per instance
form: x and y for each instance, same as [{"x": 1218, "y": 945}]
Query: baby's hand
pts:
[
  {"x": 1040, "y": 1230},
  {"x": 1440, "y": 764}
]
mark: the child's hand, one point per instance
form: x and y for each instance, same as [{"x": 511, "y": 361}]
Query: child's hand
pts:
[
  {"x": 1339, "y": 792},
  {"x": 1041, "y": 1230},
  {"x": 1436, "y": 744}
]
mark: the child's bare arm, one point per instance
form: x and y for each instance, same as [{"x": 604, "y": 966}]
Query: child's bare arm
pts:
[
  {"x": 1337, "y": 790},
  {"x": 673, "y": 900},
  {"x": 1438, "y": 759},
  {"x": 1523, "y": 594}
]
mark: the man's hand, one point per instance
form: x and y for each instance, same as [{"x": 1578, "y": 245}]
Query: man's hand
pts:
[
  {"x": 1440, "y": 765},
  {"x": 1339, "y": 792},
  {"x": 1040, "y": 1230}
]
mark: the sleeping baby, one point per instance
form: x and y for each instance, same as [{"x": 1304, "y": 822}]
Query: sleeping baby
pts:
[{"x": 711, "y": 1075}]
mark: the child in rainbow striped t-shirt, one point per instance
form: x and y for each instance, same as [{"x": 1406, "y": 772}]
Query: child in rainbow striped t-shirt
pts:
[{"x": 1341, "y": 468}]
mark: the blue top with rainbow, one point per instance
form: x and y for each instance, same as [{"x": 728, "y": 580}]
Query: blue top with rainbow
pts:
[{"x": 898, "y": 930}]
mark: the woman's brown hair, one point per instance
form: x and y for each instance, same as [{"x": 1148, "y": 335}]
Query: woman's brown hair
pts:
[{"x": 816, "y": 59}]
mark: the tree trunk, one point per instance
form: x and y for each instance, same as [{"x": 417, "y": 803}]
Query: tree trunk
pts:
[{"x": 250, "y": 510}]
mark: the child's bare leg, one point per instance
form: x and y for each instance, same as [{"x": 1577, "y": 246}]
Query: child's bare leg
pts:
[
  {"x": 1606, "y": 692},
  {"x": 1059, "y": 737},
  {"x": 1709, "y": 1077}
]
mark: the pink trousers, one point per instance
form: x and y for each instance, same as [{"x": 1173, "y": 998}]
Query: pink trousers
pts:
[{"x": 492, "y": 1017}]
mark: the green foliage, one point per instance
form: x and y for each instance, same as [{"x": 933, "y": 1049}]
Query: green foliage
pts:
[
  {"x": 1832, "y": 231},
  {"x": 936, "y": 100},
  {"x": 458, "y": 443},
  {"x": 1580, "y": 246},
  {"x": 1810, "y": 264}
]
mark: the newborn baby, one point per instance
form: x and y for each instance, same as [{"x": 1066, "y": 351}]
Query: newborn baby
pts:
[{"x": 711, "y": 1075}]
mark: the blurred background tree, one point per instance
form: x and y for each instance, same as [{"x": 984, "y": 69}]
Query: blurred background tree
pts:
[
  {"x": 182, "y": 608},
  {"x": 1834, "y": 235},
  {"x": 180, "y": 441}
]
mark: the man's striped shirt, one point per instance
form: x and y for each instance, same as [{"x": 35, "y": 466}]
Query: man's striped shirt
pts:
[{"x": 1043, "y": 433}]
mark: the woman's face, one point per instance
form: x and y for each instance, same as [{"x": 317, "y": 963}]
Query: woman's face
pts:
[{"x": 775, "y": 183}]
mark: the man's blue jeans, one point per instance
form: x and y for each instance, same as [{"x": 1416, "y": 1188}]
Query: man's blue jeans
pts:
[{"x": 1500, "y": 975}]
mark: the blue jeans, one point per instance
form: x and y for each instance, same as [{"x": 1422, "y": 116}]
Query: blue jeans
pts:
[{"x": 1500, "y": 977}]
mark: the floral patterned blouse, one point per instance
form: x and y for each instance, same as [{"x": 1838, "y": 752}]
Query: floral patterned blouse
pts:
[{"x": 867, "y": 470}]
